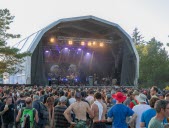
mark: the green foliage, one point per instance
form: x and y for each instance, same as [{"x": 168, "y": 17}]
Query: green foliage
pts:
[
  {"x": 154, "y": 63},
  {"x": 9, "y": 56},
  {"x": 137, "y": 37}
]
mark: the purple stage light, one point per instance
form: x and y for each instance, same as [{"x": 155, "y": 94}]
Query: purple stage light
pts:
[
  {"x": 46, "y": 51},
  {"x": 79, "y": 49},
  {"x": 88, "y": 53},
  {"x": 66, "y": 48}
]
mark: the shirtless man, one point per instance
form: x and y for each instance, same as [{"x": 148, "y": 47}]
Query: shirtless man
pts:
[
  {"x": 99, "y": 108},
  {"x": 79, "y": 108}
]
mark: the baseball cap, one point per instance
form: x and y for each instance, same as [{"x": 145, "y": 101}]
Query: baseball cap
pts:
[{"x": 63, "y": 99}]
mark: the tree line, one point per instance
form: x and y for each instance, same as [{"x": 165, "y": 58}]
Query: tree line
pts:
[{"x": 153, "y": 61}]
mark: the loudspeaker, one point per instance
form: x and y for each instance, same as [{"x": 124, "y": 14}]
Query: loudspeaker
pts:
[{"x": 91, "y": 80}]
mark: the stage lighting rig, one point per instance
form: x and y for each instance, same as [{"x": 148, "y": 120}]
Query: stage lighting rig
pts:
[{"x": 84, "y": 41}]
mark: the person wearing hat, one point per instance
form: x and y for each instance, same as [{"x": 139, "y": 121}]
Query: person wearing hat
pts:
[
  {"x": 119, "y": 112},
  {"x": 79, "y": 108},
  {"x": 140, "y": 108},
  {"x": 58, "y": 117}
]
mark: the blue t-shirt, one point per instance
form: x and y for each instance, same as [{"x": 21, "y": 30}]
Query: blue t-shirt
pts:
[
  {"x": 119, "y": 112},
  {"x": 147, "y": 115}
]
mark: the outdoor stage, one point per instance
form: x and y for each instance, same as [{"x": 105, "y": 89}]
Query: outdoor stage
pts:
[{"x": 86, "y": 50}]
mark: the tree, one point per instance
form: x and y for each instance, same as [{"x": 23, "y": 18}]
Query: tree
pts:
[
  {"x": 9, "y": 56},
  {"x": 154, "y": 63},
  {"x": 168, "y": 43},
  {"x": 137, "y": 37}
]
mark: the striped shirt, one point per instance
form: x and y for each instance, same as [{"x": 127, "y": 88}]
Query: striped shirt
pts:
[{"x": 59, "y": 118}]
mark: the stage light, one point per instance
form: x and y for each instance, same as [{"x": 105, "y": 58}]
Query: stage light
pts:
[
  {"x": 89, "y": 43},
  {"x": 88, "y": 53},
  {"x": 52, "y": 39},
  {"x": 70, "y": 42},
  {"x": 79, "y": 49},
  {"x": 82, "y": 43},
  {"x": 101, "y": 44},
  {"x": 46, "y": 51},
  {"x": 94, "y": 43},
  {"x": 66, "y": 48},
  {"x": 76, "y": 80}
]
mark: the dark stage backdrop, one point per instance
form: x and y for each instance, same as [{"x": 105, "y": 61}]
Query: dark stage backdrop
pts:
[
  {"x": 47, "y": 64},
  {"x": 38, "y": 67}
]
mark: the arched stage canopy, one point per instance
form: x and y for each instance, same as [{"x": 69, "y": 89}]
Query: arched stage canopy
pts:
[{"x": 112, "y": 52}]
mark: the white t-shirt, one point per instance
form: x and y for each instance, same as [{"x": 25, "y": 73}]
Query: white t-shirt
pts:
[{"x": 139, "y": 109}]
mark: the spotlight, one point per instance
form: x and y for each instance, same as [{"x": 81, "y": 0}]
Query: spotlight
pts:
[
  {"x": 101, "y": 44},
  {"x": 79, "y": 49},
  {"x": 94, "y": 43},
  {"x": 52, "y": 39},
  {"x": 89, "y": 43},
  {"x": 46, "y": 51},
  {"x": 82, "y": 43},
  {"x": 70, "y": 42},
  {"x": 66, "y": 48}
]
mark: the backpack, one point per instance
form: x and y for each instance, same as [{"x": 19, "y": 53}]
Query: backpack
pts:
[
  {"x": 42, "y": 98},
  {"x": 44, "y": 114},
  {"x": 134, "y": 102},
  {"x": 26, "y": 123},
  {"x": 27, "y": 117}
]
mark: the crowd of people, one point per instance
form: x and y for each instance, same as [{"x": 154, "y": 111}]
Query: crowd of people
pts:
[{"x": 82, "y": 107}]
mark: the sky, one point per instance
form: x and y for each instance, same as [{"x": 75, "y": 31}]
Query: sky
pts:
[{"x": 151, "y": 17}]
